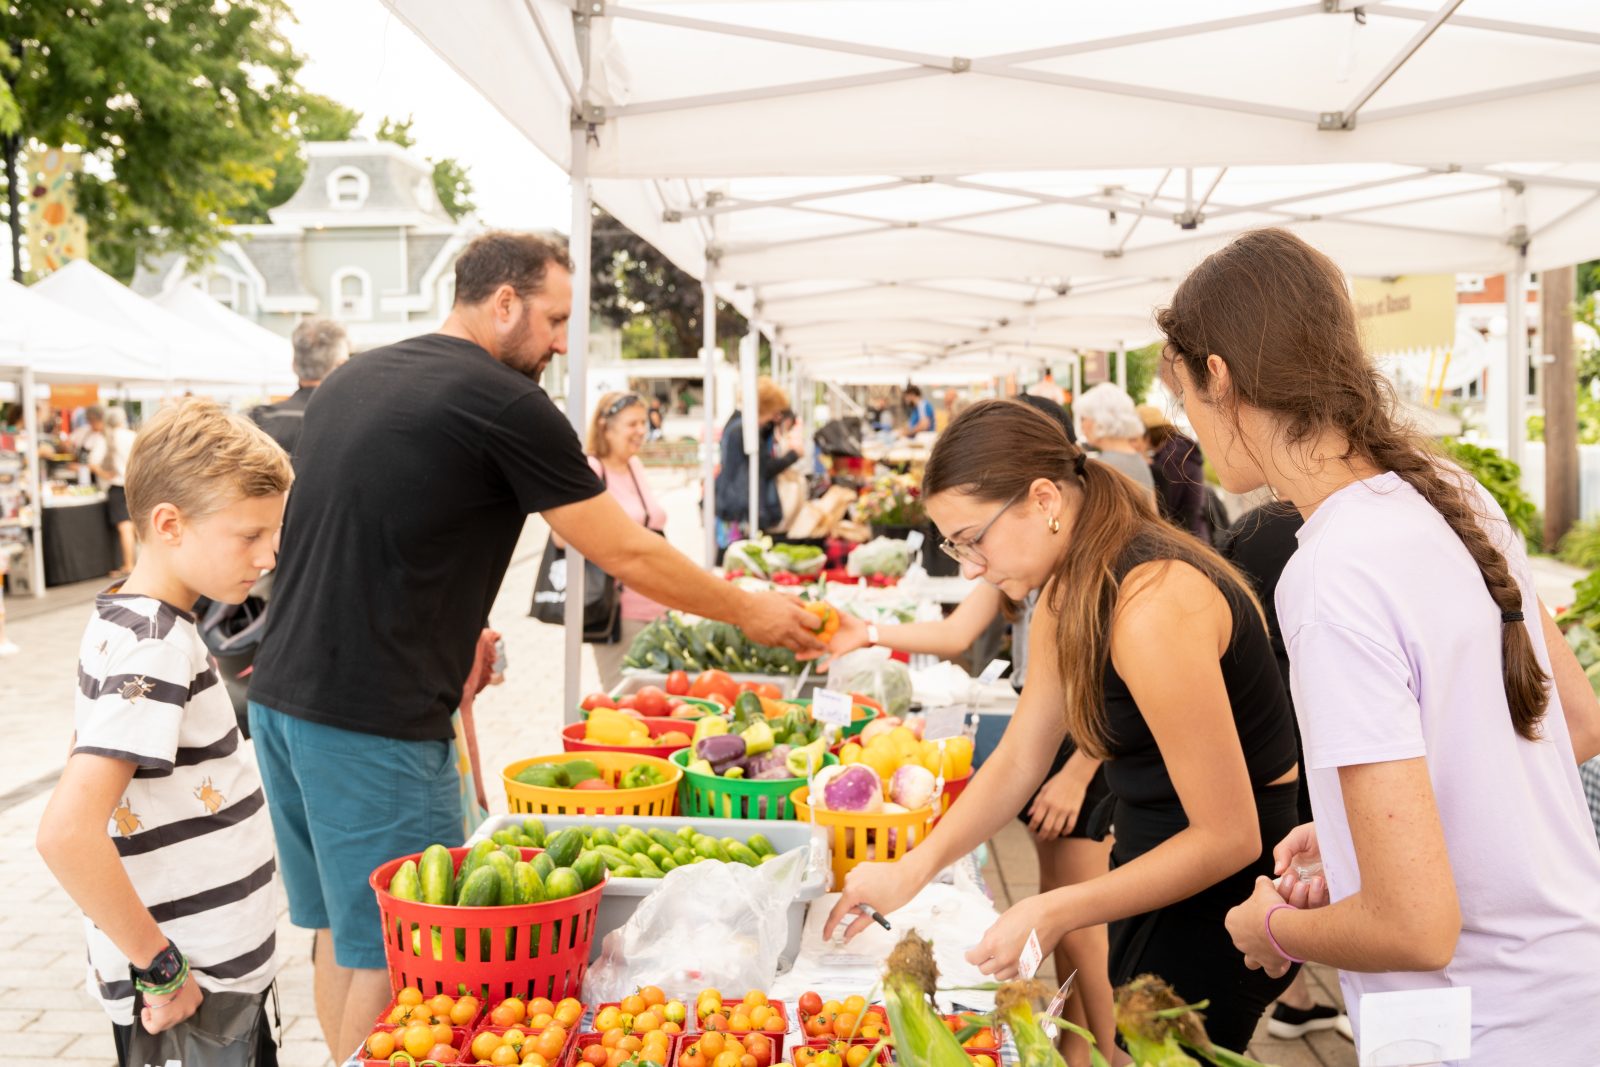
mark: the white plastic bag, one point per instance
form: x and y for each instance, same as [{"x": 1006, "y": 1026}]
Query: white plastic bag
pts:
[
  {"x": 870, "y": 672},
  {"x": 708, "y": 925}
]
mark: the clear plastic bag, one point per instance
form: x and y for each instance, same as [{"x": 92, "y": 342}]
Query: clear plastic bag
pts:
[
  {"x": 709, "y": 925},
  {"x": 870, "y": 672}
]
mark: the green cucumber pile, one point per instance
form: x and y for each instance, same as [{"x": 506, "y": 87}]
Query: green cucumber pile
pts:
[
  {"x": 671, "y": 644},
  {"x": 494, "y": 874},
  {"x": 632, "y": 853}
]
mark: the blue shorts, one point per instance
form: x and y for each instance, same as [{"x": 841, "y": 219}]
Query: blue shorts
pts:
[{"x": 342, "y": 804}]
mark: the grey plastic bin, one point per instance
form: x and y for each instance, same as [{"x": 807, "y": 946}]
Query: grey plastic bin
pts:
[{"x": 622, "y": 895}]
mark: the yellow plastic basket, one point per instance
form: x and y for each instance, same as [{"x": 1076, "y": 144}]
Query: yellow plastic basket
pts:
[
  {"x": 855, "y": 838},
  {"x": 524, "y": 799}
]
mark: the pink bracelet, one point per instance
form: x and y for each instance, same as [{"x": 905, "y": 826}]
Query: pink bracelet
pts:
[{"x": 1275, "y": 945}]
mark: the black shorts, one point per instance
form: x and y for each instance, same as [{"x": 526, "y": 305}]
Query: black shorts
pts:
[
  {"x": 1097, "y": 794},
  {"x": 117, "y": 504}
]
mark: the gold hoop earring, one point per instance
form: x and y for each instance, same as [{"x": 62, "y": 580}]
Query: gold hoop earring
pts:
[{"x": 1055, "y": 525}]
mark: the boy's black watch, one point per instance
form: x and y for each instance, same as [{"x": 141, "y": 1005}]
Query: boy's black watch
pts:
[{"x": 163, "y": 970}]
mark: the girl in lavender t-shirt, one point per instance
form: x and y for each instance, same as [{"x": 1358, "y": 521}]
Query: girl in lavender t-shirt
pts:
[{"x": 1443, "y": 716}]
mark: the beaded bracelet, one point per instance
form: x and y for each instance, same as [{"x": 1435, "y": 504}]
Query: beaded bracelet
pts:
[
  {"x": 165, "y": 974},
  {"x": 166, "y": 989},
  {"x": 1268, "y": 923}
]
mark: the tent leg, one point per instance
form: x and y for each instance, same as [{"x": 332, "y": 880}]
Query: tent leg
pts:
[
  {"x": 33, "y": 478},
  {"x": 1516, "y": 377},
  {"x": 577, "y": 401},
  {"x": 1122, "y": 366},
  {"x": 708, "y": 345},
  {"x": 749, "y": 365}
]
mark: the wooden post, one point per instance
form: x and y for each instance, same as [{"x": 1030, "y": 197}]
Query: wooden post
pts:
[{"x": 1556, "y": 296}]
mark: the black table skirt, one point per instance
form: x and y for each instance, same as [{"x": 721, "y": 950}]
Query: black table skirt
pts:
[{"x": 79, "y": 544}]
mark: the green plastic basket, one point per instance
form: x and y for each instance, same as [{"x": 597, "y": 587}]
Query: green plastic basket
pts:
[
  {"x": 706, "y": 796},
  {"x": 856, "y": 725}
]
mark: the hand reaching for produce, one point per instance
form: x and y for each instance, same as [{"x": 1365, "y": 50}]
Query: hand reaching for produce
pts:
[
  {"x": 996, "y": 955},
  {"x": 1298, "y": 860},
  {"x": 851, "y": 635},
  {"x": 772, "y": 619},
  {"x": 885, "y": 886}
]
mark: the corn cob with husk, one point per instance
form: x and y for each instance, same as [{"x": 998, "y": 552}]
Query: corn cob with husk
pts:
[
  {"x": 1160, "y": 1030},
  {"x": 920, "y": 1036}
]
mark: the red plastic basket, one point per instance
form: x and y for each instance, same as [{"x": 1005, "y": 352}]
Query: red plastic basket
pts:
[
  {"x": 520, "y": 950},
  {"x": 952, "y": 789},
  {"x": 572, "y": 738},
  {"x": 459, "y": 1037}
]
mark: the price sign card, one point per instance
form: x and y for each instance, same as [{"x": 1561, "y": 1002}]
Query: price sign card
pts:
[
  {"x": 1416, "y": 1026},
  {"x": 1032, "y": 956},
  {"x": 831, "y": 706},
  {"x": 940, "y": 724},
  {"x": 993, "y": 671},
  {"x": 914, "y": 542}
]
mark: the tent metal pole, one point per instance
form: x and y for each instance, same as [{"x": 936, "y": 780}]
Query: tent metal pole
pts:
[
  {"x": 33, "y": 475},
  {"x": 1347, "y": 117},
  {"x": 577, "y": 377},
  {"x": 727, "y": 207},
  {"x": 708, "y": 353},
  {"x": 1472, "y": 22},
  {"x": 749, "y": 354},
  {"x": 1516, "y": 356},
  {"x": 1122, "y": 366},
  {"x": 1450, "y": 103}
]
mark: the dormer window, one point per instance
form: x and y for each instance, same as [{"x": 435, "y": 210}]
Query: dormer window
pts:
[
  {"x": 348, "y": 188},
  {"x": 352, "y": 295}
]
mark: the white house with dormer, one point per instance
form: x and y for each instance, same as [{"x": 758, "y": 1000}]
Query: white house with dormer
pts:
[{"x": 363, "y": 240}]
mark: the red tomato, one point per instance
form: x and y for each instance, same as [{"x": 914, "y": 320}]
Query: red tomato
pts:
[
  {"x": 598, "y": 700},
  {"x": 592, "y": 784},
  {"x": 769, "y": 691},
  {"x": 678, "y": 683},
  {"x": 651, "y": 701},
  {"x": 760, "y": 1047},
  {"x": 810, "y": 1004},
  {"x": 747, "y": 687},
  {"x": 720, "y": 700},
  {"x": 709, "y": 682},
  {"x": 628, "y": 703}
]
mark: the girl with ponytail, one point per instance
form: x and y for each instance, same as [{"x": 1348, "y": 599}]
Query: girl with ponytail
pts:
[
  {"x": 1149, "y": 650},
  {"x": 1442, "y": 714}
]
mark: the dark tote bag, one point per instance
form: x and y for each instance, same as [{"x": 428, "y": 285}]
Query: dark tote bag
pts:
[
  {"x": 228, "y": 1030},
  {"x": 602, "y": 605}
]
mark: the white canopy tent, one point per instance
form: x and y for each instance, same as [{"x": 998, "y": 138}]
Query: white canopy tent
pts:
[
  {"x": 256, "y": 350},
  {"x": 997, "y": 153},
  {"x": 187, "y": 353}
]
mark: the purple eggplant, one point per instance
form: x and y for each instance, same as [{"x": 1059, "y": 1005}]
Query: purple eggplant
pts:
[{"x": 722, "y": 751}]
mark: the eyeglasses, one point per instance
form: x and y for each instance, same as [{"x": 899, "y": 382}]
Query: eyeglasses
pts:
[
  {"x": 626, "y": 400},
  {"x": 967, "y": 551}
]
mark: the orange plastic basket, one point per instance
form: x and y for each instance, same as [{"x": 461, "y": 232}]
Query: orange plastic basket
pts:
[
  {"x": 516, "y": 950},
  {"x": 660, "y": 799},
  {"x": 572, "y": 738},
  {"x": 855, "y": 838}
]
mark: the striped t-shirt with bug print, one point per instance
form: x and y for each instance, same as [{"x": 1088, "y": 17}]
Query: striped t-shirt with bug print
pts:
[{"x": 192, "y": 827}]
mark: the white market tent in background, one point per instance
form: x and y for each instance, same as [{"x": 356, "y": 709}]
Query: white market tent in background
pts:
[
  {"x": 187, "y": 353},
  {"x": 911, "y": 182},
  {"x": 254, "y": 349}
]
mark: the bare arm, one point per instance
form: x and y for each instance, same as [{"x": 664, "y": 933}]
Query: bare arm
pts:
[
  {"x": 947, "y": 638},
  {"x": 1572, "y": 686},
  {"x": 996, "y": 794},
  {"x": 1406, "y": 916},
  {"x": 644, "y": 561}
]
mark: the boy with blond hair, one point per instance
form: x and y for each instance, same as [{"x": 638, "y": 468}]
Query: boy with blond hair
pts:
[{"x": 158, "y": 828}]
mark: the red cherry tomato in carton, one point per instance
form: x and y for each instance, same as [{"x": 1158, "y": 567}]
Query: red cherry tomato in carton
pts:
[
  {"x": 708, "y": 683},
  {"x": 597, "y": 700},
  {"x": 678, "y": 683},
  {"x": 810, "y": 1004},
  {"x": 651, "y": 701}
]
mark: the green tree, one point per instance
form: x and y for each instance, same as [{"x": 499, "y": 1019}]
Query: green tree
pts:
[
  {"x": 1142, "y": 366},
  {"x": 629, "y": 280},
  {"x": 310, "y": 117},
  {"x": 450, "y": 179},
  {"x": 177, "y": 105}
]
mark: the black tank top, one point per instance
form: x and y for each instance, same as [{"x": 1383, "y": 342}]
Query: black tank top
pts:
[{"x": 1136, "y": 773}]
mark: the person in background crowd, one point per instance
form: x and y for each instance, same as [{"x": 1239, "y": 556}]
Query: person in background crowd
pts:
[
  {"x": 416, "y": 468},
  {"x": 1149, "y": 650},
  {"x": 656, "y": 429},
  {"x": 919, "y": 413},
  {"x": 1260, "y": 544},
  {"x": 1111, "y": 426},
  {"x": 616, "y": 433},
  {"x": 320, "y": 346},
  {"x": 1443, "y": 714},
  {"x": 1047, "y": 389},
  {"x": 108, "y": 453},
  {"x": 1179, "y": 472},
  {"x": 7, "y": 648},
  {"x": 951, "y": 407},
  {"x": 733, "y": 479},
  {"x": 878, "y": 417}
]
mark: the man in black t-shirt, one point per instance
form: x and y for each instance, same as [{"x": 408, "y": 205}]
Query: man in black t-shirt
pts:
[{"x": 415, "y": 469}]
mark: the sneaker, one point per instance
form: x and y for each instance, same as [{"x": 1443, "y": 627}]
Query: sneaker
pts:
[{"x": 1288, "y": 1023}]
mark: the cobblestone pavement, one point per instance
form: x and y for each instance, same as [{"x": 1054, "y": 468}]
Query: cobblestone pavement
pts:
[{"x": 41, "y": 943}]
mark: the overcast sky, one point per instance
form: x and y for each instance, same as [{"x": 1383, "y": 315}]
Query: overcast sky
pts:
[{"x": 358, "y": 53}]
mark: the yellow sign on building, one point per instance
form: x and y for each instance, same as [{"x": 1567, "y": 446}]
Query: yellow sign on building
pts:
[
  {"x": 1409, "y": 312},
  {"x": 57, "y": 234}
]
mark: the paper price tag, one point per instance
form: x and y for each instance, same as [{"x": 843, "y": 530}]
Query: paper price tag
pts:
[
  {"x": 914, "y": 542},
  {"x": 831, "y": 706},
  {"x": 1412, "y": 1026},
  {"x": 1032, "y": 956},
  {"x": 993, "y": 671},
  {"x": 943, "y": 723}
]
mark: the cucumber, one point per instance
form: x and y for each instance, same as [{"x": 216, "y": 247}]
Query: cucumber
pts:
[
  {"x": 627, "y": 871},
  {"x": 405, "y": 885},
  {"x": 437, "y": 873},
  {"x": 564, "y": 847},
  {"x": 512, "y": 853},
  {"x": 686, "y": 835},
  {"x": 501, "y": 837},
  {"x": 668, "y": 864},
  {"x": 535, "y": 831},
  {"x": 665, "y": 840},
  {"x": 529, "y": 886},
  {"x": 480, "y": 890},
  {"x": 683, "y": 855},
  {"x": 737, "y": 851},
  {"x": 590, "y": 868},
  {"x": 633, "y": 842},
  {"x": 543, "y": 864},
  {"x": 473, "y": 860},
  {"x": 759, "y": 844},
  {"x": 602, "y": 836},
  {"x": 710, "y": 848},
  {"x": 563, "y": 882},
  {"x": 647, "y": 866},
  {"x": 657, "y": 854},
  {"x": 505, "y": 871}
]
